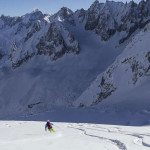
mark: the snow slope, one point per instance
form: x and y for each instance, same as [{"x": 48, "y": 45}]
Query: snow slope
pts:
[
  {"x": 126, "y": 82},
  {"x": 24, "y": 135}
]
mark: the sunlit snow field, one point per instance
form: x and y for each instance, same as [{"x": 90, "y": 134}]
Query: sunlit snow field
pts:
[
  {"x": 77, "y": 129},
  {"x": 23, "y": 135}
]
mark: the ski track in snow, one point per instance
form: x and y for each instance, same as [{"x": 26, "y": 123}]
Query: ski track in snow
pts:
[
  {"x": 139, "y": 137},
  {"x": 121, "y": 146},
  {"x": 118, "y": 143}
]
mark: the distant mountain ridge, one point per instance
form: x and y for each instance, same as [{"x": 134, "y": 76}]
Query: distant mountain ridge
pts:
[
  {"x": 51, "y": 60},
  {"x": 30, "y": 34}
]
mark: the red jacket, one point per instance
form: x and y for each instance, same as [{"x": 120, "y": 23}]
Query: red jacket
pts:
[{"x": 48, "y": 125}]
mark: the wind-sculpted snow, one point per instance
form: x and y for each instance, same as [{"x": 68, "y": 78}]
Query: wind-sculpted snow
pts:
[{"x": 31, "y": 135}]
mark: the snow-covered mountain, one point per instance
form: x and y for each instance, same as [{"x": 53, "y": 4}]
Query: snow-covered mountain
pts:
[
  {"x": 34, "y": 34},
  {"x": 106, "y": 19},
  {"x": 50, "y": 60}
]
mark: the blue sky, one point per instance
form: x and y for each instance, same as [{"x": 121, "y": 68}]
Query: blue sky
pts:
[{"x": 20, "y": 7}]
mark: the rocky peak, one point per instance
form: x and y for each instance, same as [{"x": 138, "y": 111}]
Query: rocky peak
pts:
[
  {"x": 113, "y": 8},
  {"x": 143, "y": 9},
  {"x": 95, "y": 7},
  {"x": 9, "y": 21},
  {"x": 64, "y": 13},
  {"x": 132, "y": 4},
  {"x": 57, "y": 41},
  {"x": 95, "y": 4},
  {"x": 105, "y": 19},
  {"x": 37, "y": 13},
  {"x": 33, "y": 16},
  {"x": 81, "y": 15},
  {"x": 93, "y": 16}
]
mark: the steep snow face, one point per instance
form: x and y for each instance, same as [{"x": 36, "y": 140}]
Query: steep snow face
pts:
[{"x": 128, "y": 76}]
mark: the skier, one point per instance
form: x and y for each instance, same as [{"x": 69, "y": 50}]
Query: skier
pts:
[{"x": 48, "y": 126}]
